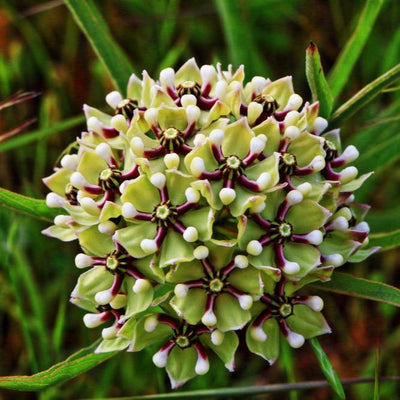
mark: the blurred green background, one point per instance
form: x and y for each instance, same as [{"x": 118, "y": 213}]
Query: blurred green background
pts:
[{"x": 43, "y": 50}]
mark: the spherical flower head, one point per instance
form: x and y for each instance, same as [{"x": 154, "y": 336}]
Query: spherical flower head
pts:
[{"x": 213, "y": 201}]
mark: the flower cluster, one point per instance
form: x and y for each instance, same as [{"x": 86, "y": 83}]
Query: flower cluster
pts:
[{"x": 202, "y": 206}]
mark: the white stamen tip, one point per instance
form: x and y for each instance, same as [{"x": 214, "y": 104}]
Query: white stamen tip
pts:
[
  {"x": 158, "y": 180},
  {"x": 350, "y": 154},
  {"x": 245, "y": 301},
  {"x": 149, "y": 246},
  {"x": 197, "y": 166},
  {"x": 292, "y": 132},
  {"x": 167, "y": 77},
  {"x": 220, "y": 89},
  {"x": 348, "y": 174},
  {"x": 83, "y": 261},
  {"x": 151, "y": 323},
  {"x": 216, "y": 137},
  {"x": 363, "y": 227},
  {"x": 294, "y": 197},
  {"x": 227, "y": 195},
  {"x": 188, "y": 100},
  {"x": 141, "y": 285},
  {"x": 258, "y": 83},
  {"x": 305, "y": 188},
  {"x": 258, "y": 334},
  {"x": 171, "y": 160},
  {"x": 339, "y": 224},
  {"x": 119, "y": 123},
  {"x": 181, "y": 290},
  {"x": 151, "y": 116},
  {"x": 70, "y": 161},
  {"x": 291, "y": 268},
  {"x": 295, "y": 340},
  {"x": 128, "y": 210},
  {"x": 217, "y": 337},
  {"x": 103, "y": 297},
  {"x": 53, "y": 200},
  {"x": 113, "y": 99},
  {"x": 241, "y": 261},
  {"x": 63, "y": 220},
  {"x": 104, "y": 151},
  {"x": 160, "y": 358},
  {"x": 107, "y": 228},
  {"x": 315, "y": 237},
  {"x": 199, "y": 140},
  {"x": 318, "y": 163},
  {"x": 78, "y": 180},
  {"x": 256, "y": 145},
  {"x": 294, "y": 103},
  {"x": 315, "y": 303},
  {"x": 207, "y": 73},
  {"x": 192, "y": 195},
  {"x": 201, "y": 252},
  {"x": 209, "y": 318},
  {"x": 202, "y": 366},
  {"x": 320, "y": 124},
  {"x": 89, "y": 205},
  {"x": 335, "y": 259},
  {"x": 94, "y": 124},
  {"x": 292, "y": 117},
  {"x": 254, "y": 248},
  {"x": 137, "y": 146},
  {"x": 192, "y": 113},
  {"x": 92, "y": 320},
  {"x": 109, "y": 333},
  {"x": 118, "y": 301},
  {"x": 190, "y": 234},
  {"x": 264, "y": 180}
]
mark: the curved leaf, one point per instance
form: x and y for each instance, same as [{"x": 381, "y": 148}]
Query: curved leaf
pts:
[
  {"x": 95, "y": 29},
  {"x": 386, "y": 240},
  {"x": 316, "y": 80},
  {"x": 327, "y": 369},
  {"x": 27, "y": 205},
  {"x": 78, "y": 363},
  {"x": 359, "y": 287}
]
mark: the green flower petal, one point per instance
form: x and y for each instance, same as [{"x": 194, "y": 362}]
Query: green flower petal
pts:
[
  {"x": 218, "y": 110},
  {"x": 131, "y": 237},
  {"x": 177, "y": 183},
  {"x": 305, "y": 148},
  {"x": 244, "y": 200},
  {"x": 338, "y": 243},
  {"x": 322, "y": 274},
  {"x": 160, "y": 98},
  {"x": 280, "y": 90},
  {"x": 188, "y": 72},
  {"x": 307, "y": 216},
  {"x": 56, "y": 182},
  {"x": 137, "y": 302},
  {"x": 175, "y": 249},
  {"x": 307, "y": 322},
  {"x": 172, "y": 117},
  {"x": 110, "y": 210},
  {"x": 230, "y": 316},
  {"x": 273, "y": 201},
  {"x": 66, "y": 234},
  {"x": 104, "y": 118},
  {"x": 202, "y": 220},
  {"x": 180, "y": 365},
  {"x": 95, "y": 243},
  {"x": 191, "y": 307},
  {"x": 209, "y": 190},
  {"x": 226, "y": 350},
  {"x": 270, "y": 165},
  {"x": 252, "y": 231},
  {"x": 185, "y": 271},
  {"x": 90, "y": 166},
  {"x": 269, "y": 128},
  {"x": 142, "y": 194},
  {"x": 247, "y": 280},
  {"x": 237, "y": 137},
  {"x": 205, "y": 153},
  {"x": 80, "y": 216},
  {"x": 355, "y": 183},
  {"x": 108, "y": 345},
  {"x": 269, "y": 349},
  {"x": 307, "y": 256}
]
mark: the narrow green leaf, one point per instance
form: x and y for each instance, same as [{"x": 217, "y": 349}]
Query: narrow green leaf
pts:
[
  {"x": 246, "y": 391},
  {"x": 320, "y": 90},
  {"x": 109, "y": 52},
  {"x": 359, "y": 287},
  {"x": 347, "y": 59},
  {"x": 327, "y": 369},
  {"x": 386, "y": 240},
  {"x": 385, "y": 220},
  {"x": 26, "y": 138},
  {"x": 238, "y": 35},
  {"x": 365, "y": 95},
  {"x": 78, "y": 363},
  {"x": 27, "y": 205}
]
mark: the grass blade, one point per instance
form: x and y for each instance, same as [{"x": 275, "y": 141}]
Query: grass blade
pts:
[
  {"x": 241, "y": 47},
  {"x": 80, "y": 362},
  {"x": 347, "y": 59},
  {"x": 316, "y": 80},
  {"x": 27, "y": 205},
  {"x": 359, "y": 287},
  {"x": 109, "y": 52},
  {"x": 327, "y": 369},
  {"x": 386, "y": 240},
  {"x": 26, "y": 138},
  {"x": 365, "y": 95}
]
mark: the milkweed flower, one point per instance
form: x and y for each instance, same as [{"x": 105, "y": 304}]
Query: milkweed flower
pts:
[{"x": 204, "y": 206}]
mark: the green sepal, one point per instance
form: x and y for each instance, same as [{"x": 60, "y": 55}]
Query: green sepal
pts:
[{"x": 307, "y": 322}]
